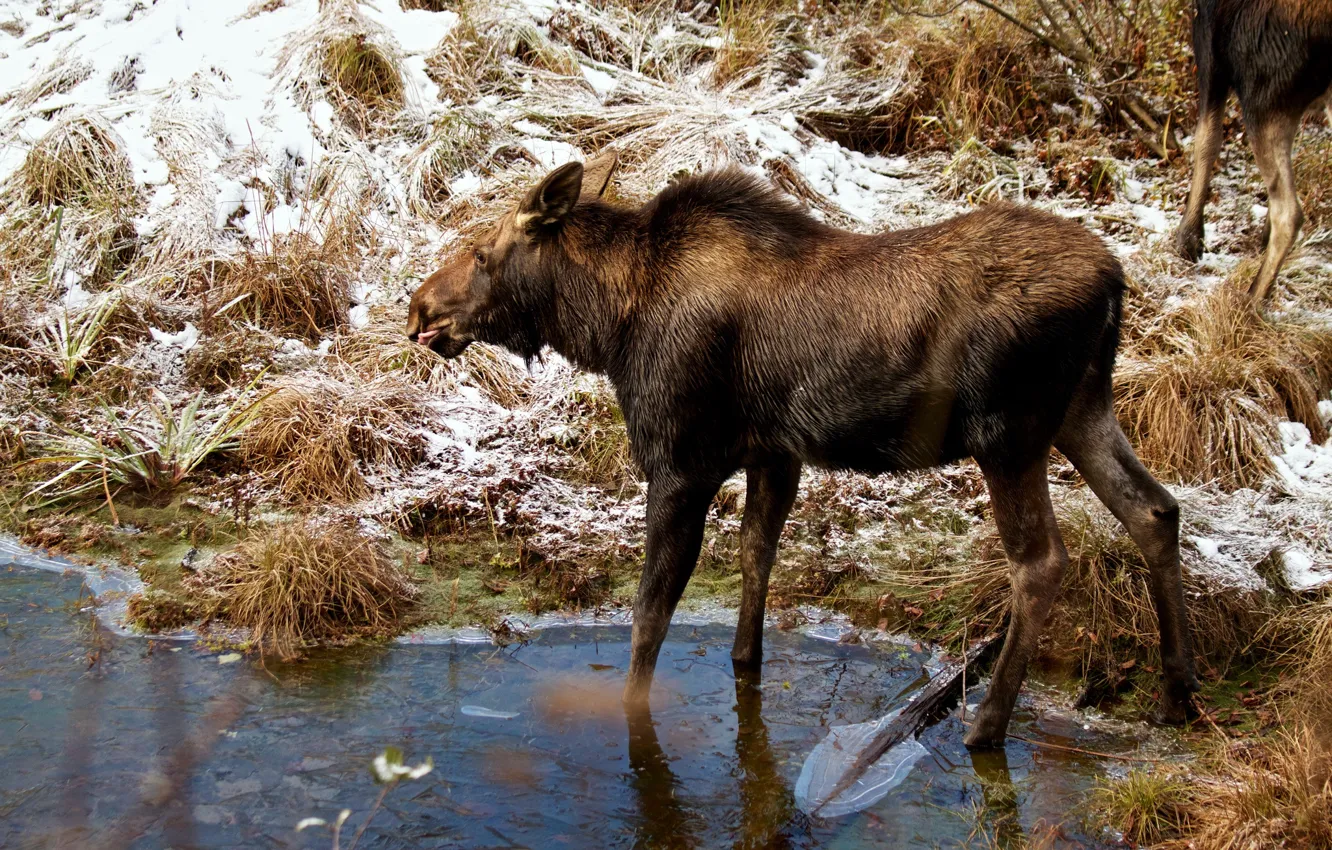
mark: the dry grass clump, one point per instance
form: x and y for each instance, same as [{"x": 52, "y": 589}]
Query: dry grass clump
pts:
[
  {"x": 62, "y": 75},
  {"x": 318, "y": 437},
  {"x": 494, "y": 372},
  {"x": 456, "y": 141},
  {"x": 488, "y": 50},
  {"x": 74, "y": 192},
  {"x": 229, "y": 357},
  {"x": 293, "y": 283},
  {"x": 597, "y": 440},
  {"x": 1313, "y": 175},
  {"x": 1201, "y": 394},
  {"x": 1276, "y": 792},
  {"x": 302, "y": 582},
  {"x": 383, "y": 349},
  {"x": 757, "y": 37},
  {"x": 1104, "y": 615},
  {"x": 364, "y": 72},
  {"x": 350, "y": 60},
  {"x": 78, "y": 163}
]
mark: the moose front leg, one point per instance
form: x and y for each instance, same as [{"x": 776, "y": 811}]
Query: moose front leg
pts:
[
  {"x": 676, "y": 510},
  {"x": 768, "y": 498}
]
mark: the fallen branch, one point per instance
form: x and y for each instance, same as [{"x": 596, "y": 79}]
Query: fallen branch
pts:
[{"x": 929, "y": 705}]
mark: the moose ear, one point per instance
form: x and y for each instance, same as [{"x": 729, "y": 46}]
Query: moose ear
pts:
[
  {"x": 553, "y": 197},
  {"x": 597, "y": 175}
]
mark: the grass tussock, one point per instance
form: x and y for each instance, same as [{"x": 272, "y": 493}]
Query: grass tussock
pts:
[
  {"x": 304, "y": 582},
  {"x": 79, "y": 162},
  {"x": 363, "y": 72},
  {"x": 486, "y": 53},
  {"x": 292, "y": 283},
  {"x": 381, "y": 349},
  {"x": 1201, "y": 394},
  {"x": 1276, "y": 790},
  {"x": 70, "y": 206},
  {"x": 229, "y": 357},
  {"x": 1104, "y": 619},
  {"x": 317, "y": 437},
  {"x": 755, "y": 36},
  {"x": 349, "y": 60},
  {"x": 456, "y": 141},
  {"x": 598, "y": 440},
  {"x": 1147, "y": 806}
]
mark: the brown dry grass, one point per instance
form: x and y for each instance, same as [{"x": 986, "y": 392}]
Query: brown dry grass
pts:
[
  {"x": 1313, "y": 176},
  {"x": 1104, "y": 615},
  {"x": 1273, "y": 793},
  {"x": 77, "y": 163},
  {"x": 363, "y": 73},
  {"x": 302, "y": 582},
  {"x": 1276, "y": 790},
  {"x": 293, "y": 283},
  {"x": 381, "y": 348},
  {"x": 1201, "y": 394},
  {"x": 229, "y": 357},
  {"x": 74, "y": 191},
  {"x": 316, "y": 435}
]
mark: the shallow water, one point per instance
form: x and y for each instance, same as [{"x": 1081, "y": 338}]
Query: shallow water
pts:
[{"x": 92, "y": 725}]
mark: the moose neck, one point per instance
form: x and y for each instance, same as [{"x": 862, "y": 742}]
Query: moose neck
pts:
[{"x": 590, "y": 267}]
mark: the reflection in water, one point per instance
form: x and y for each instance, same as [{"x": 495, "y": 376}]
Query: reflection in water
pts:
[
  {"x": 1000, "y": 798},
  {"x": 664, "y": 821},
  {"x": 767, "y": 806},
  {"x": 112, "y": 743}
]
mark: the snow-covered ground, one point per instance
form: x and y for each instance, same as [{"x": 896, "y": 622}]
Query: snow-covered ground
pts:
[{"x": 226, "y": 123}]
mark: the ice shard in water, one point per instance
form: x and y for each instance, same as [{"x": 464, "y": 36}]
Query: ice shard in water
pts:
[{"x": 821, "y": 791}]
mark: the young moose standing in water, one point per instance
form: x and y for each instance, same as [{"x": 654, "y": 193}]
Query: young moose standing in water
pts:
[{"x": 740, "y": 333}]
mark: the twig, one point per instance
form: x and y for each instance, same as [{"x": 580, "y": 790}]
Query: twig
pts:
[
  {"x": 115, "y": 518},
  {"x": 1049, "y": 746},
  {"x": 1029, "y": 30},
  {"x": 357, "y": 837},
  {"x": 964, "y": 670}
]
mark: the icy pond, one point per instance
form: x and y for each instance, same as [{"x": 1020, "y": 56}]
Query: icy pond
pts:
[{"x": 88, "y": 719}]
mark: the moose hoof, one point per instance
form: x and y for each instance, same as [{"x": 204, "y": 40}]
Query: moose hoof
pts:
[
  {"x": 985, "y": 734},
  {"x": 1189, "y": 245},
  {"x": 1173, "y": 714}
]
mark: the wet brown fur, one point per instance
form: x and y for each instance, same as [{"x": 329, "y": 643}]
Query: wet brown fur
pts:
[{"x": 740, "y": 333}]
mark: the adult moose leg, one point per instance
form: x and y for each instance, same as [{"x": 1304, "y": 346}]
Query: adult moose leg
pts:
[
  {"x": 1272, "y": 141},
  {"x": 676, "y": 511},
  {"x": 1092, "y": 439},
  {"x": 1022, "y": 510},
  {"x": 1207, "y": 140},
  {"x": 770, "y": 492}
]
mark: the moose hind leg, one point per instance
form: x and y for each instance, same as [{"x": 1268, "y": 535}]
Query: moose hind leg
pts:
[
  {"x": 1036, "y": 556},
  {"x": 1272, "y": 142},
  {"x": 1206, "y": 147},
  {"x": 1096, "y": 445},
  {"x": 770, "y": 492},
  {"x": 676, "y": 511}
]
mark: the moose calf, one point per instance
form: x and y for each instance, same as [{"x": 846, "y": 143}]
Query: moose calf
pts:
[
  {"x": 1277, "y": 56},
  {"x": 739, "y": 332}
]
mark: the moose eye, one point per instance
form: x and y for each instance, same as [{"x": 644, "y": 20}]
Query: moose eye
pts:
[{"x": 480, "y": 257}]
